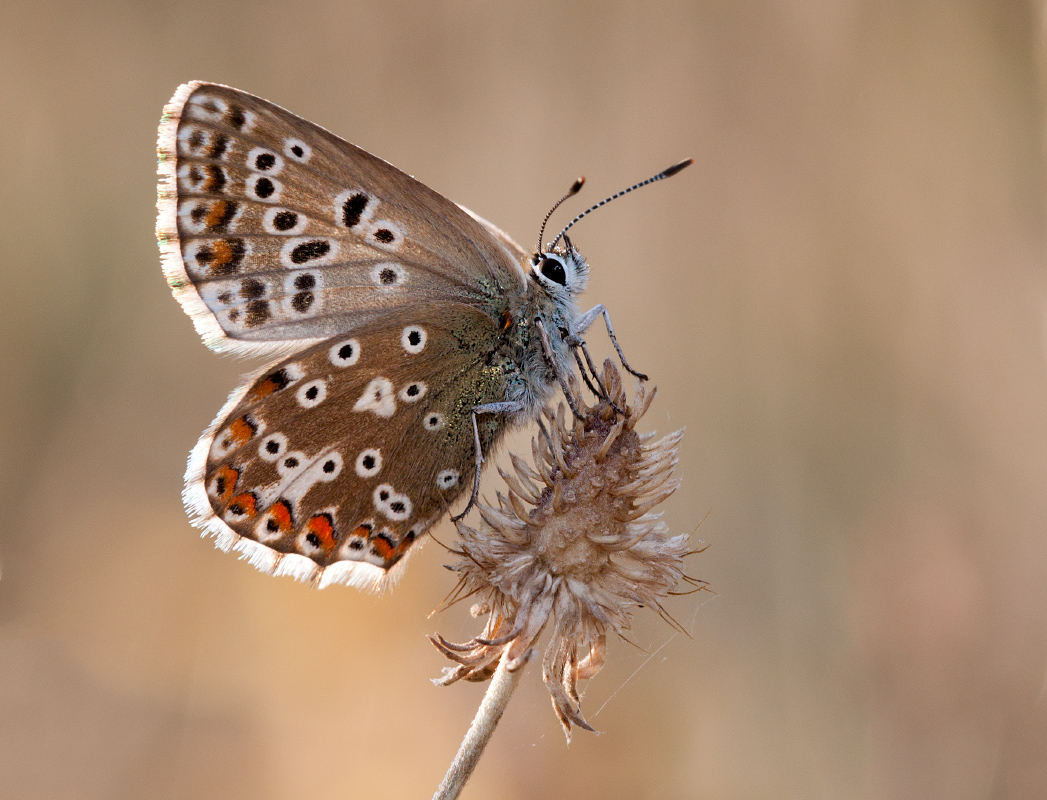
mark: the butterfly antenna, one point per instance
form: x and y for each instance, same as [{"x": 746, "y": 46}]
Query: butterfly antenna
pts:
[
  {"x": 575, "y": 188},
  {"x": 665, "y": 173}
]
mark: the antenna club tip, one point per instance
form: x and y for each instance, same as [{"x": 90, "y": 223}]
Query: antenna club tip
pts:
[
  {"x": 577, "y": 185},
  {"x": 677, "y": 167}
]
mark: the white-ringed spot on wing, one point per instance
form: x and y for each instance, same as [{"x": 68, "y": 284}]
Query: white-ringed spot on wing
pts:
[
  {"x": 433, "y": 421},
  {"x": 345, "y": 354},
  {"x": 369, "y": 463},
  {"x": 413, "y": 339},
  {"x": 261, "y": 159},
  {"x": 354, "y": 208},
  {"x": 284, "y": 222},
  {"x": 386, "y": 235},
  {"x": 413, "y": 392},
  {"x": 291, "y": 463},
  {"x": 448, "y": 479},
  {"x": 329, "y": 466},
  {"x": 394, "y": 506},
  {"x": 307, "y": 251},
  {"x": 202, "y": 178},
  {"x": 272, "y": 447},
  {"x": 298, "y": 150},
  {"x": 378, "y": 397},
  {"x": 263, "y": 188},
  {"x": 388, "y": 274},
  {"x": 311, "y": 394}
]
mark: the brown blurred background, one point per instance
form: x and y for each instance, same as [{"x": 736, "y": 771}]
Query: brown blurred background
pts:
[{"x": 843, "y": 300}]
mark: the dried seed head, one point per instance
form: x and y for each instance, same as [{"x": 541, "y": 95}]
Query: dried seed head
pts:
[{"x": 574, "y": 541}]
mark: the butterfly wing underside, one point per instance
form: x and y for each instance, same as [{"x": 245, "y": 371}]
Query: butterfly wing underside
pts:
[
  {"x": 304, "y": 470},
  {"x": 276, "y": 233},
  {"x": 380, "y": 295}
]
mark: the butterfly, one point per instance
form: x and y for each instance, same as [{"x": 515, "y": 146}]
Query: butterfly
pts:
[{"x": 408, "y": 333}]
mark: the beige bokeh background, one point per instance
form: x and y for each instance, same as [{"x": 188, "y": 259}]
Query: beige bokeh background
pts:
[{"x": 843, "y": 301}]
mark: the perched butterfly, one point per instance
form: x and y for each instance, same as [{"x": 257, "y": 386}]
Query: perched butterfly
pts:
[{"x": 411, "y": 334}]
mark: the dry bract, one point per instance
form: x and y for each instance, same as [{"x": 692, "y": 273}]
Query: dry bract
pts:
[{"x": 573, "y": 542}]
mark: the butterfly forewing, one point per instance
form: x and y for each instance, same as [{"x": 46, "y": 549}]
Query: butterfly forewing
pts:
[
  {"x": 348, "y": 451},
  {"x": 277, "y": 233}
]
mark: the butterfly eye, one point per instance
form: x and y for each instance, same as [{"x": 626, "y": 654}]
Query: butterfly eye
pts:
[{"x": 552, "y": 269}]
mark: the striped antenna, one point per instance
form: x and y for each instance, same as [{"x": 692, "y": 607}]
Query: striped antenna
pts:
[{"x": 665, "y": 173}]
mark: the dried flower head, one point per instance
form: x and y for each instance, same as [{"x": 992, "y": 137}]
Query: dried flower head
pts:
[{"x": 573, "y": 541}]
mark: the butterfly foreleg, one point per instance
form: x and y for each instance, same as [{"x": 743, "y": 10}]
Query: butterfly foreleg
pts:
[
  {"x": 588, "y": 318},
  {"x": 578, "y": 343},
  {"x": 508, "y": 407}
]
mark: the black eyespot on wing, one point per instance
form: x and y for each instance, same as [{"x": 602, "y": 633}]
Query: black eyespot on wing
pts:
[
  {"x": 307, "y": 251},
  {"x": 252, "y": 289},
  {"x": 297, "y": 150},
  {"x": 302, "y": 301},
  {"x": 345, "y": 352},
  {"x": 221, "y": 144},
  {"x": 384, "y": 235},
  {"x": 305, "y": 281},
  {"x": 553, "y": 270},
  {"x": 291, "y": 463},
  {"x": 264, "y": 161},
  {"x": 387, "y": 276},
  {"x": 352, "y": 209},
  {"x": 285, "y": 220},
  {"x": 257, "y": 313},
  {"x": 328, "y": 467},
  {"x": 264, "y": 188},
  {"x": 414, "y": 337}
]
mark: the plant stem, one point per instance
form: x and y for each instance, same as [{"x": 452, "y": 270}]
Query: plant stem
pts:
[{"x": 491, "y": 708}]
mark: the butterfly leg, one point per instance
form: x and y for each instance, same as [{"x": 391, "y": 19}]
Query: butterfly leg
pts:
[
  {"x": 578, "y": 343},
  {"x": 589, "y": 317},
  {"x": 547, "y": 352},
  {"x": 486, "y": 408}
]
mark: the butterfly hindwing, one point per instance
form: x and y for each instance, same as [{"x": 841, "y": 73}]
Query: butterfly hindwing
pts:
[
  {"x": 328, "y": 465},
  {"x": 276, "y": 233}
]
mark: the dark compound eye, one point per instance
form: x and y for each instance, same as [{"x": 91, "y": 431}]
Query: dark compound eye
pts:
[{"x": 553, "y": 270}]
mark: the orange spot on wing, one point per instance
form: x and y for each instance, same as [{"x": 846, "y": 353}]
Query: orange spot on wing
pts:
[
  {"x": 244, "y": 504},
  {"x": 281, "y": 514},
  {"x": 241, "y": 430},
  {"x": 216, "y": 215},
  {"x": 225, "y": 482},
  {"x": 321, "y": 526},
  {"x": 362, "y": 530},
  {"x": 382, "y": 547},
  {"x": 407, "y": 542}
]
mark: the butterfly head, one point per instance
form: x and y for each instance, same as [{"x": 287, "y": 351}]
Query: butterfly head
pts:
[{"x": 562, "y": 271}]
